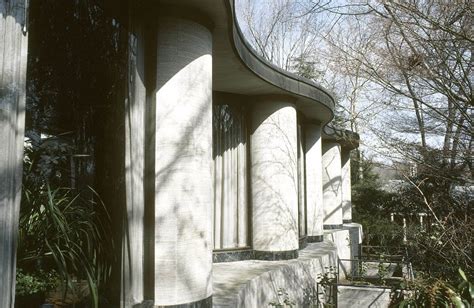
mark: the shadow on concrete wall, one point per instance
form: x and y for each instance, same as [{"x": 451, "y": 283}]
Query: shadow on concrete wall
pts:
[{"x": 274, "y": 178}]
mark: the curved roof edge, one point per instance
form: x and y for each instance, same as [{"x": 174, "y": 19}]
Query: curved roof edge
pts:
[
  {"x": 313, "y": 100},
  {"x": 269, "y": 72},
  {"x": 346, "y": 138}
]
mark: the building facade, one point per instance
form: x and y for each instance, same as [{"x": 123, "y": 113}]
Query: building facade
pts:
[{"x": 227, "y": 158}]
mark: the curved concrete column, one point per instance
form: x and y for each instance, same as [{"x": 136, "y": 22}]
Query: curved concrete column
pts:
[
  {"x": 274, "y": 179},
  {"x": 183, "y": 162},
  {"x": 332, "y": 185},
  {"x": 346, "y": 186},
  {"x": 314, "y": 182}
]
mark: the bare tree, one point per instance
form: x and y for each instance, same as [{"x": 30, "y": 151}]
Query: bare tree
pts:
[
  {"x": 278, "y": 32},
  {"x": 402, "y": 73},
  {"x": 423, "y": 58},
  {"x": 419, "y": 54}
]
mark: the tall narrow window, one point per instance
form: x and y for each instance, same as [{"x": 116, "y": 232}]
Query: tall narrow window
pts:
[
  {"x": 230, "y": 187},
  {"x": 301, "y": 186}
]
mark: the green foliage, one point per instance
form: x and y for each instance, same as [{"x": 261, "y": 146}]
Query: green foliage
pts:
[
  {"x": 466, "y": 289},
  {"x": 305, "y": 68},
  {"x": 77, "y": 75},
  {"x": 443, "y": 243},
  {"x": 369, "y": 198},
  {"x": 362, "y": 269},
  {"x": 45, "y": 160},
  {"x": 283, "y": 299},
  {"x": 33, "y": 283},
  {"x": 380, "y": 231},
  {"x": 382, "y": 272},
  {"x": 328, "y": 278},
  {"x": 362, "y": 170},
  {"x": 327, "y": 281},
  {"x": 372, "y": 207},
  {"x": 427, "y": 291},
  {"x": 61, "y": 230}
]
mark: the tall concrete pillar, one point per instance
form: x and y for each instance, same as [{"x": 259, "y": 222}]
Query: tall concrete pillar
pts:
[
  {"x": 274, "y": 178},
  {"x": 314, "y": 182},
  {"x": 132, "y": 258},
  {"x": 332, "y": 185},
  {"x": 183, "y": 162},
  {"x": 346, "y": 186},
  {"x": 13, "y": 52}
]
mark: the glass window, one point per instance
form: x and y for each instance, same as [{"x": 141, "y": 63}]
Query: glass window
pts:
[
  {"x": 231, "y": 215},
  {"x": 301, "y": 185}
]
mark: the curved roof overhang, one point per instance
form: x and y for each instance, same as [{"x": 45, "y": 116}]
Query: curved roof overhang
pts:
[
  {"x": 346, "y": 138},
  {"x": 237, "y": 68}
]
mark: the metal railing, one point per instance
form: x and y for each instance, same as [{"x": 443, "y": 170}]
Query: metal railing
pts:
[
  {"x": 387, "y": 272},
  {"x": 382, "y": 252}
]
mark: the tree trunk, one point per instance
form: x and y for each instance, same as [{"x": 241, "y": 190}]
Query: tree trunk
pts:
[
  {"x": 449, "y": 132},
  {"x": 454, "y": 149}
]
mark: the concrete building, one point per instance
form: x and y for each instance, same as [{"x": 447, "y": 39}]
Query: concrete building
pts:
[{"x": 247, "y": 192}]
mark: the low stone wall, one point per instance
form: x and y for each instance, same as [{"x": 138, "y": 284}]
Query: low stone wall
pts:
[
  {"x": 342, "y": 241},
  {"x": 347, "y": 242},
  {"x": 356, "y": 234},
  {"x": 254, "y": 283}
]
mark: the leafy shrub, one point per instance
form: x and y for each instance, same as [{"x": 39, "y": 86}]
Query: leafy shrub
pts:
[
  {"x": 327, "y": 281},
  {"x": 61, "y": 230},
  {"x": 283, "y": 299},
  {"x": 439, "y": 247},
  {"x": 33, "y": 283},
  {"x": 427, "y": 291}
]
